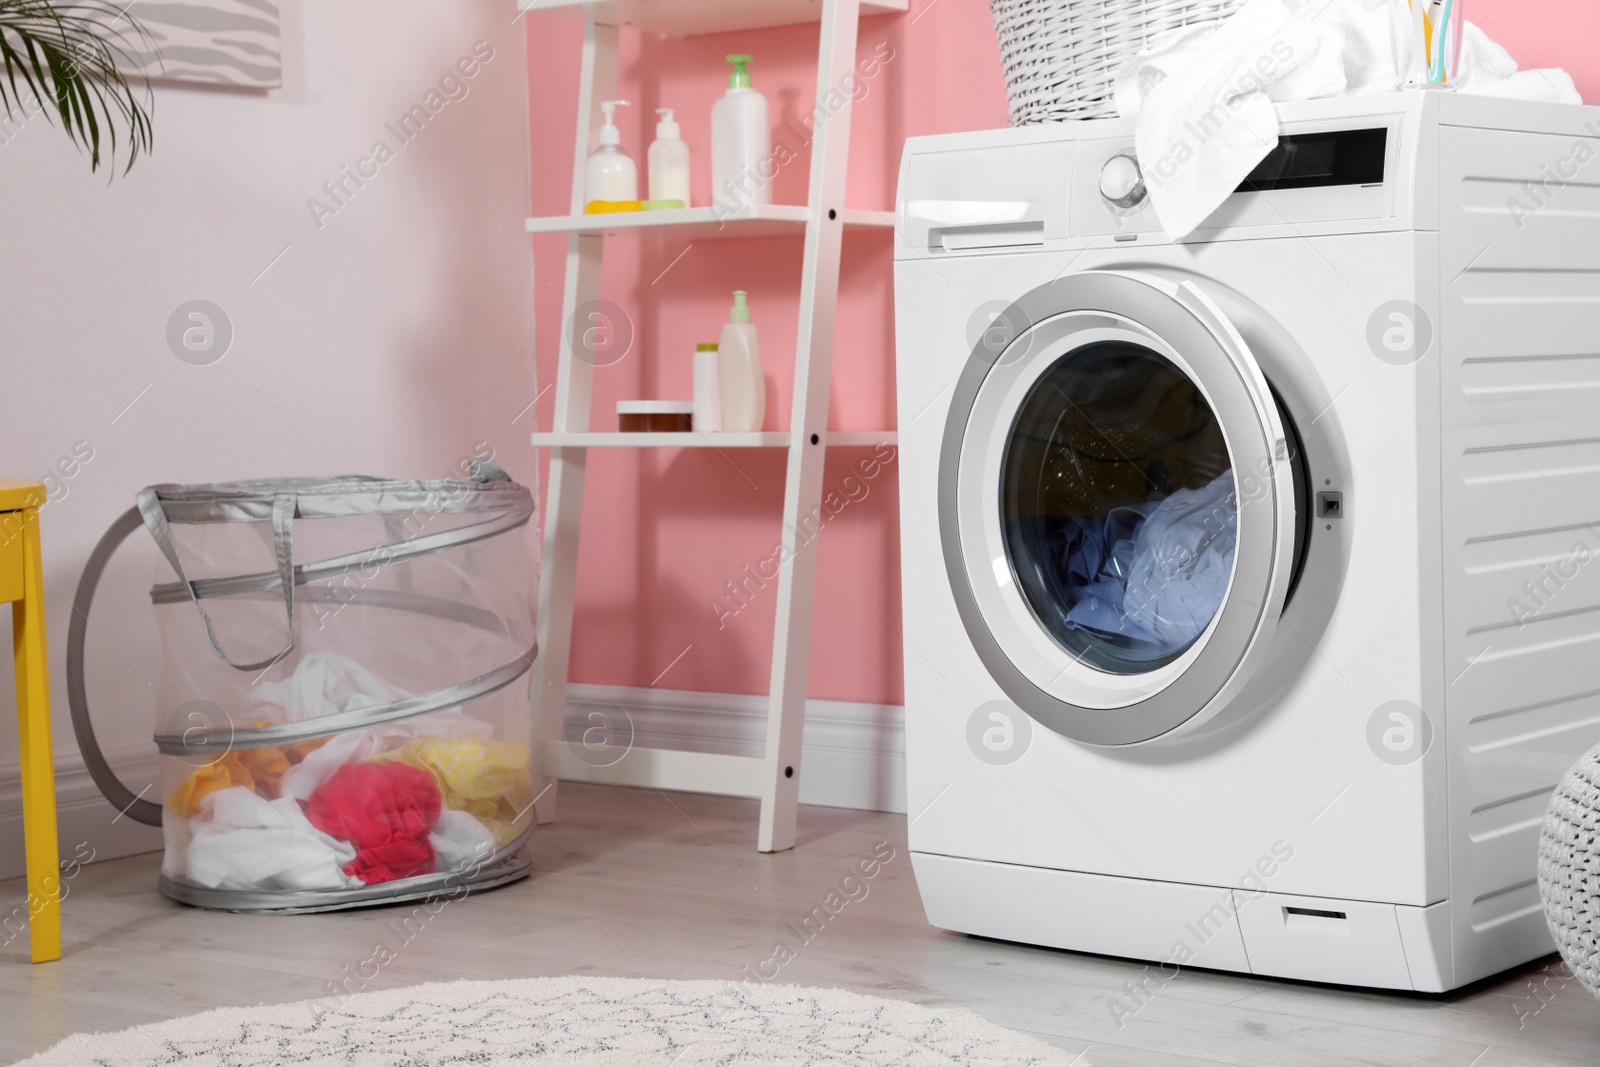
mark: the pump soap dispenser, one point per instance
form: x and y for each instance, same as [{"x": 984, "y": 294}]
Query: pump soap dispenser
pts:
[
  {"x": 610, "y": 176},
  {"x": 740, "y": 379},
  {"x": 669, "y": 164},
  {"x": 741, "y": 143}
]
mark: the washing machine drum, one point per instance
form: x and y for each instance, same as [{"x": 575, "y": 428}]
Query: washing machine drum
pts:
[{"x": 1121, "y": 506}]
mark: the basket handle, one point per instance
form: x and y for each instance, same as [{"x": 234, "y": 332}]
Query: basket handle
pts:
[
  {"x": 283, "y": 509},
  {"x": 132, "y": 804}
]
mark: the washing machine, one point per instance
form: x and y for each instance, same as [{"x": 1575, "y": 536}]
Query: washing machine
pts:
[{"x": 1251, "y": 603}]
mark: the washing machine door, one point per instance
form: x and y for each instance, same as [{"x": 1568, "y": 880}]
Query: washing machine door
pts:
[{"x": 1118, "y": 506}]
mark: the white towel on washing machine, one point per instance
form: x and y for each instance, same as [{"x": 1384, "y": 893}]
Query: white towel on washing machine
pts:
[{"x": 1205, "y": 97}]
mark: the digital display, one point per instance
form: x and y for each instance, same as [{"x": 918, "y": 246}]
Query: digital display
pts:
[{"x": 1321, "y": 160}]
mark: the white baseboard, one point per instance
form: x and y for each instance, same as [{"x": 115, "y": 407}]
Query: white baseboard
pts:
[
  {"x": 853, "y": 757},
  {"x": 86, "y": 823}
]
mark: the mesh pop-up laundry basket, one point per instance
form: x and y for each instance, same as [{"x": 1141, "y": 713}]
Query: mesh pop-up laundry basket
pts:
[{"x": 343, "y": 716}]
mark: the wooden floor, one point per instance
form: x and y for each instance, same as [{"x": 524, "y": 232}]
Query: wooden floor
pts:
[{"x": 644, "y": 883}]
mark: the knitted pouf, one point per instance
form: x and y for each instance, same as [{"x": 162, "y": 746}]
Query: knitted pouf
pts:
[{"x": 1569, "y": 869}]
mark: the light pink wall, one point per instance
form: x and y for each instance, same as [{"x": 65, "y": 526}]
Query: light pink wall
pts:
[
  {"x": 388, "y": 338},
  {"x": 664, "y": 531},
  {"x": 1547, "y": 33}
]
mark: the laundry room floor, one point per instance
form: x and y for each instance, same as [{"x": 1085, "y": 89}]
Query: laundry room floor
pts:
[{"x": 641, "y": 883}]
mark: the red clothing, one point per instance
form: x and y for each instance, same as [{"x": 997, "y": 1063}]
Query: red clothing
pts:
[{"x": 386, "y": 811}]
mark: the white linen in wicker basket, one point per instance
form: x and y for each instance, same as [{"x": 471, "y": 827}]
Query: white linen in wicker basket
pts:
[
  {"x": 1569, "y": 869},
  {"x": 1061, "y": 57}
]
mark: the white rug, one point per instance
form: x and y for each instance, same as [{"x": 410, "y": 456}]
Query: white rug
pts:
[{"x": 575, "y": 1022}]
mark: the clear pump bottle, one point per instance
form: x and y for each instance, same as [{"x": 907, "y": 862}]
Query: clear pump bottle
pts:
[
  {"x": 668, "y": 162},
  {"x": 611, "y": 174}
]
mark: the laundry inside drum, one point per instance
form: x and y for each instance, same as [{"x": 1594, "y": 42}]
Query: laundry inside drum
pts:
[{"x": 1119, "y": 508}]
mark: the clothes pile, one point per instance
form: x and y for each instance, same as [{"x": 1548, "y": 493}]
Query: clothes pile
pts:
[
  {"x": 1149, "y": 577},
  {"x": 432, "y": 794}
]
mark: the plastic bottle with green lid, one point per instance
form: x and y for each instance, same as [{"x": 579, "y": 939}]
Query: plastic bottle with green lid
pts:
[
  {"x": 741, "y": 144},
  {"x": 740, "y": 378}
]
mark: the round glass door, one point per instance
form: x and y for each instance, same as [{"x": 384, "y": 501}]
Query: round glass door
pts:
[{"x": 1118, "y": 507}]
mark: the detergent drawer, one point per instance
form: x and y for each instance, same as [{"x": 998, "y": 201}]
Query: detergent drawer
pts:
[
  {"x": 1319, "y": 939},
  {"x": 998, "y": 198}
]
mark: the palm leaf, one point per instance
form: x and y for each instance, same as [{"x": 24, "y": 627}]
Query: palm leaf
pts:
[{"x": 70, "y": 60}]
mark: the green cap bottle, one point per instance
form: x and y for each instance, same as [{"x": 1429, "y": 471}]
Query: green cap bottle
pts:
[
  {"x": 741, "y": 311},
  {"x": 739, "y": 78}
]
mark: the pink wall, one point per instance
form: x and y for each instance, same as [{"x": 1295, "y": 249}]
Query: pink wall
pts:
[
  {"x": 664, "y": 531},
  {"x": 1547, "y": 33}
]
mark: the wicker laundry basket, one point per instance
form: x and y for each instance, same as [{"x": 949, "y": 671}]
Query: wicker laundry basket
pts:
[
  {"x": 1569, "y": 869},
  {"x": 1061, "y": 57}
]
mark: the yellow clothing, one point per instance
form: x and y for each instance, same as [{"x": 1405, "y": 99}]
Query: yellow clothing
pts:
[
  {"x": 223, "y": 774},
  {"x": 492, "y": 781},
  {"x": 258, "y": 768}
]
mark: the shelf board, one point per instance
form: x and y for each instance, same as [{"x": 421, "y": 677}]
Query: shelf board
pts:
[
  {"x": 696, "y": 18},
  {"x": 763, "y": 220},
  {"x": 776, "y": 439}
]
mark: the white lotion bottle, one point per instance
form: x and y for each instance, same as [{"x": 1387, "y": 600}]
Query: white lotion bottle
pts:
[
  {"x": 741, "y": 144},
  {"x": 668, "y": 160},
  {"x": 707, "y": 394},
  {"x": 740, "y": 379},
  {"x": 610, "y": 173}
]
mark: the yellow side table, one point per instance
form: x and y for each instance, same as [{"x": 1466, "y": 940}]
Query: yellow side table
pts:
[{"x": 22, "y": 584}]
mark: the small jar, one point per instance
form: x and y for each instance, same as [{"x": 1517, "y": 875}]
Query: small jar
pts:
[{"x": 654, "y": 416}]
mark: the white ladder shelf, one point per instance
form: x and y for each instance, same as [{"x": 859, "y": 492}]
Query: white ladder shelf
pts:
[{"x": 822, "y": 220}]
